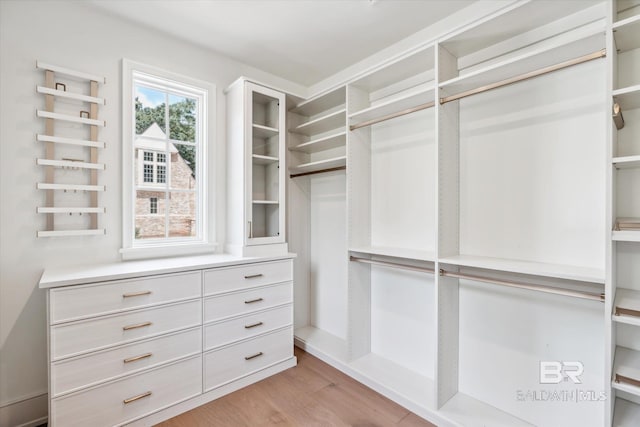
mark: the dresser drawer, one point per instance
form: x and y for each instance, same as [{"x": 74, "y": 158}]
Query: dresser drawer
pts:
[
  {"x": 68, "y": 375},
  {"x": 246, "y": 276},
  {"x": 78, "y": 302},
  {"x": 239, "y": 360},
  {"x": 115, "y": 403},
  {"x": 217, "y": 308},
  {"x": 226, "y": 332},
  {"x": 78, "y": 337}
]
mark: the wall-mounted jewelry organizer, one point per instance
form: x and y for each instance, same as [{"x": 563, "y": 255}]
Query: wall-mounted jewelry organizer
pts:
[{"x": 71, "y": 161}]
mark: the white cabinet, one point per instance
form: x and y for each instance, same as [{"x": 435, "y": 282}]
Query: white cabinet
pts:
[
  {"x": 121, "y": 351},
  {"x": 255, "y": 170}
]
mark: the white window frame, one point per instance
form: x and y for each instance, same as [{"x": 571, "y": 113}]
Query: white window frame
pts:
[{"x": 205, "y": 93}]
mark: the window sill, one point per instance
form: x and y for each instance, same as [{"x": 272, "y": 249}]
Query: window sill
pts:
[{"x": 167, "y": 251}]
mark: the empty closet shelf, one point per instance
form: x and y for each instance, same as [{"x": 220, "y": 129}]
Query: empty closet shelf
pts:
[
  {"x": 320, "y": 103},
  {"x": 626, "y": 413},
  {"x": 626, "y": 307},
  {"x": 626, "y": 162},
  {"x": 628, "y": 97},
  {"x": 410, "y": 254},
  {"x": 322, "y": 124},
  {"x": 627, "y": 230},
  {"x": 626, "y": 34},
  {"x": 406, "y": 104},
  {"x": 265, "y": 202},
  {"x": 626, "y": 370},
  {"x": 526, "y": 66},
  {"x": 558, "y": 271},
  {"x": 338, "y": 139},
  {"x": 261, "y": 131},
  {"x": 401, "y": 266},
  {"x": 263, "y": 160},
  {"x": 329, "y": 165}
]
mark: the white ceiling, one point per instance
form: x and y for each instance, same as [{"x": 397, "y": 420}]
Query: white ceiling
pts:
[{"x": 304, "y": 41}]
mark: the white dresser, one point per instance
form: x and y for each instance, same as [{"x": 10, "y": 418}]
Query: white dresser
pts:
[{"x": 140, "y": 342}]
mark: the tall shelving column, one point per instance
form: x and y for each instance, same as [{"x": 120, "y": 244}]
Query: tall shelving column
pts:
[
  {"x": 70, "y": 147},
  {"x": 623, "y": 293}
]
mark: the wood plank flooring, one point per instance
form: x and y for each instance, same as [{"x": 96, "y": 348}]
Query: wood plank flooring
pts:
[{"x": 311, "y": 394}]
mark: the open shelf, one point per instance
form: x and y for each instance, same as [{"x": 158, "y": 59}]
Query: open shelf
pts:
[
  {"x": 626, "y": 162},
  {"x": 70, "y": 73},
  {"x": 261, "y": 131},
  {"x": 627, "y": 34},
  {"x": 627, "y": 97},
  {"x": 68, "y": 118},
  {"x": 259, "y": 159},
  {"x": 626, "y": 236},
  {"x": 410, "y": 254},
  {"x": 319, "y": 165},
  {"x": 627, "y": 363},
  {"x": 521, "y": 64},
  {"x": 626, "y": 413},
  {"x": 407, "y": 385},
  {"x": 264, "y": 202},
  {"x": 335, "y": 140},
  {"x": 322, "y": 124},
  {"x": 470, "y": 412},
  {"x": 626, "y": 299},
  {"x": 558, "y": 271},
  {"x": 320, "y": 103},
  {"x": 320, "y": 343},
  {"x": 70, "y": 95},
  {"x": 408, "y": 100}
]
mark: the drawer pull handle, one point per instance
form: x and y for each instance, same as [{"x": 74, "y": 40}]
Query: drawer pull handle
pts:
[
  {"x": 253, "y": 276},
  {"x": 251, "y": 301},
  {"x": 253, "y": 326},
  {"x": 139, "y": 325},
  {"x": 253, "y": 356},
  {"x": 626, "y": 312},
  {"x": 136, "y": 294},
  {"x": 138, "y": 397},
  {"x": 623, "y": 379},
  {"x": 136, "y": 358}
]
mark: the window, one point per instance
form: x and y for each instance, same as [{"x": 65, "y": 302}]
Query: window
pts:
[{"x": 166, "y": 122}]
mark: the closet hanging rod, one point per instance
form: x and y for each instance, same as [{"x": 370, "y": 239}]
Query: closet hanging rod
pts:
[
  {"x": 531, "y": 74},
  {"x": 392, "y": 115},
  {"x": 338, "y": 168},
  {"x": 528, "y": 286},
  {"x": 393, "y": 265}
]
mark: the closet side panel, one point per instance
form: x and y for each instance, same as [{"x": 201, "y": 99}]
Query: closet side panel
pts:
[{"x": 328, "y": 254}]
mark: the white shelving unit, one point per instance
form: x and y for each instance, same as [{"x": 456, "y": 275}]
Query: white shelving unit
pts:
[
  {"x": 474, "y": 157},
  {"x": 624, "y": 251},
  {"x": 256, "y": 158},
  {"x": 71, "y": 152}
]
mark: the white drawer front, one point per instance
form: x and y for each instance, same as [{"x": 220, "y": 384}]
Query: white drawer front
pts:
[
  {"x": 94, "y": 300},
  {"x": 228, "y": 364},
  {"x": 104, "y": 405},
  {"x": 229, "y": 331},
  {"x": 216, "y": 308},
  {"x": 68, "y": 375},
  {"x": 246, "y": 276},
  {"x": 73, "y": 338}
]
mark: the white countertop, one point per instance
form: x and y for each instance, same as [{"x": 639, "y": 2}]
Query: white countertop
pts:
[{"x": 55, "y": 277}]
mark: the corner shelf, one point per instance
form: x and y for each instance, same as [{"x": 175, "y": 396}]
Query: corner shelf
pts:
[
  {"x": 325, "y": 123},
  {"x": 259, "y": 159},
  {"x": 335, "y": 162},
  {"x": 261, "y": 131},
  {"x": 320, "y": 103},
  {"x": 335, "y": 140},
  {"x": 558, "y": 271},
  {"x": 626, "y": 33}
]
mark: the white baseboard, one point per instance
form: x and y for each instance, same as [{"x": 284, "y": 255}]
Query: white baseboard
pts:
[{"x": 30, "y": 411}]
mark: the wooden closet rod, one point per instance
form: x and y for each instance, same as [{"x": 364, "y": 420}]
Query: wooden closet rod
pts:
[
  {"x": 531, "y": 74},
  {"x": 528, "y": 286},
  {"x": 392, "y": 115},
  {"x": 393, "y": 265},
  {"x": 339, "y": 168}
]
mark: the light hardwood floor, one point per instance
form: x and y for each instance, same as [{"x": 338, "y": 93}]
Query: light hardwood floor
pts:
[{"x": 311, "y": 394}]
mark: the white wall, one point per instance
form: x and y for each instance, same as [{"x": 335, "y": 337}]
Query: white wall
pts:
[{"x": 73, "y": 35}]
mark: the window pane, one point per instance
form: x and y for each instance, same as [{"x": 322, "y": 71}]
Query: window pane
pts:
[
  {"x": 182, "y": 118},
  {"x": 182, "y": 214},
  {"x": 148, "y": 173},
  {"x": 150, "y": 109},
  {"x": 162, "y": 158},
  {"x": 150, "y": 225},
  {"x": 153, "y": 205},
  {"x": 148, "y": 156},
  {"x": 162, "y": 174}
]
